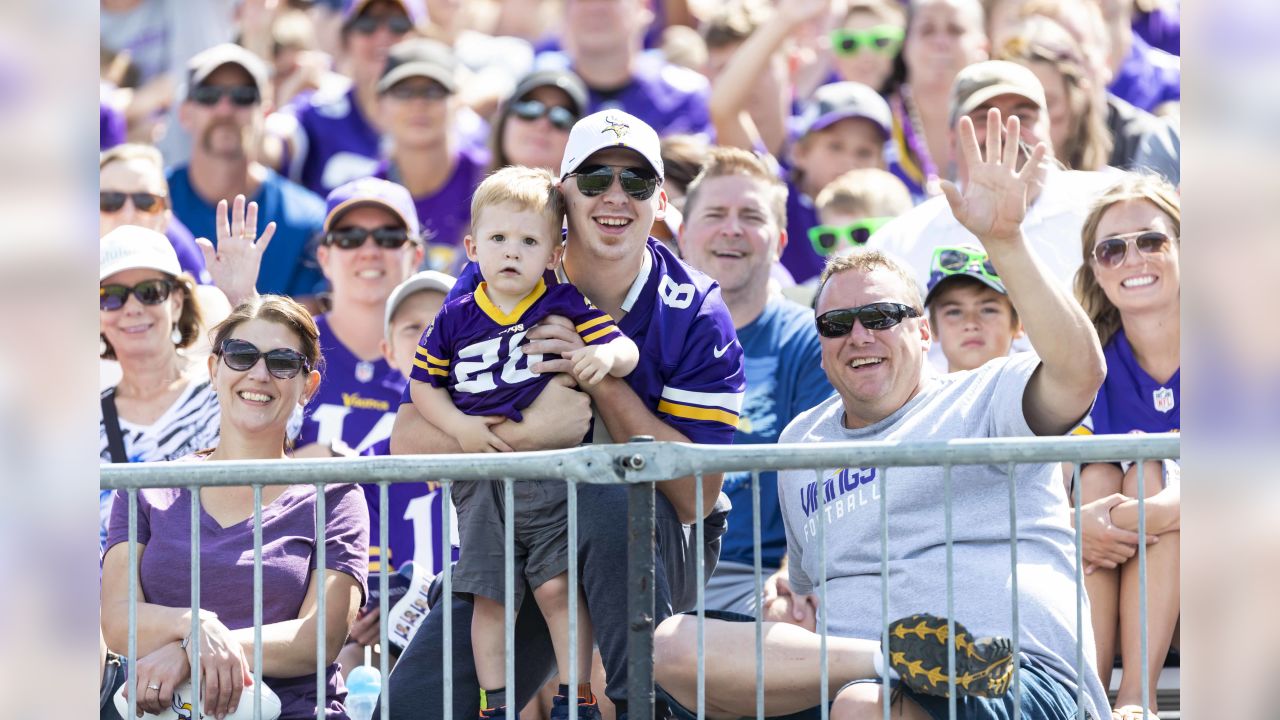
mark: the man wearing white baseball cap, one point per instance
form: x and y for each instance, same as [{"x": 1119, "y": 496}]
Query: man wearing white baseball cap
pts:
[{"x": 688, "y": 387}]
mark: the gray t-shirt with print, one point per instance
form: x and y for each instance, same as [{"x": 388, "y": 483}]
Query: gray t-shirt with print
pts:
[{"x": 982, "y": 403}]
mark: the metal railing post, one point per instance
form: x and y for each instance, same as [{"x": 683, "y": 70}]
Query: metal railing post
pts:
[{"x": 640, "y": 591}]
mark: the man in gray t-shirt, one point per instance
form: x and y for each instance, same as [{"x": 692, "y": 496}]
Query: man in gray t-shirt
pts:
[{"x": 874, "y": 346}]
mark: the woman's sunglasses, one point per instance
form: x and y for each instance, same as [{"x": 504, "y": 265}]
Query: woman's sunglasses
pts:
[
  {"x": 875, "y": 316},
  {"x": 595, "y": 180},
  {"x": 367, "y": 25},
  {"x": 562, "y": 118},
  {"x": 1110, "y": 252},
  {"x": 885, "y": 39},
  {"x": 148, "y": 292},
  {"x": 350, "y": 238},
  {"x": 241, "y": 95},
  {"x": 826, "y": 239},
  {"x": 283, "y": 363},
  {"x": 110, "y": 201}
]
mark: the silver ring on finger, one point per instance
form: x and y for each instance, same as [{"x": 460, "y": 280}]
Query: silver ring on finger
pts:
[{"x": 153, "y": 686}]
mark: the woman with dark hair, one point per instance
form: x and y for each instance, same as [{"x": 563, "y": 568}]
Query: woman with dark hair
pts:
[
  {"x": 1130, "y": 287},
  {"x": 532, "y": 126},
  {"x": 265, "y": 364}
]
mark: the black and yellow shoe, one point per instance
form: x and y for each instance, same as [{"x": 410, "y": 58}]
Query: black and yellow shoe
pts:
[{"x": 918, "y": 653}]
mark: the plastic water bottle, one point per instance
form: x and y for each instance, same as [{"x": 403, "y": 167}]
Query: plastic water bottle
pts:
[{"x": 363, "y": 686}]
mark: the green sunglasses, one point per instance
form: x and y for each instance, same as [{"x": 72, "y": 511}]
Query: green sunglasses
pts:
[
  {"x": 884, "y": 39},
  {"x": 959, "y": 260},
  {"x": 827, "y": 239}
]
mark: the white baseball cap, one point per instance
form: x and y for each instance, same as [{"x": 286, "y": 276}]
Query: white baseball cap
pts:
[
  {"x": 425, "y": 280},
  {"x": 607, "y": 129},
  {"x": 130, "y": 247}
]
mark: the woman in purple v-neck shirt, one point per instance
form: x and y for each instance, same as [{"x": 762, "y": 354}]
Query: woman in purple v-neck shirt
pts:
[{"x": 257, "y": 395}]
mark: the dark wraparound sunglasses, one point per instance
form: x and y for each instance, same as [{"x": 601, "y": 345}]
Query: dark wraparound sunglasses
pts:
[
  {"x": 367, "y": 25},
  {"x": 595, "y": 180},
  {"x": 875, "y": 316},
  {"x": 241, "y": 95},
  {"x": 1110, "y": 252},
  {"x": 562, "y": 118},
  {"x": 350, "y": 238},
  {"x": 283, "y": 363},
  {"x": 148, "y": 292},
  {"x": 110, "y": 201}
]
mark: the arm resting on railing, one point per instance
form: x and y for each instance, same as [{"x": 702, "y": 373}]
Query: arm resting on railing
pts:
[{"x": 289, "y": 647}]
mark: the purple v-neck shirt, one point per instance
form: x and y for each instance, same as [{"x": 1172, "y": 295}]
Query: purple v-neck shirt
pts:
[{"x": 226, "y": 565}]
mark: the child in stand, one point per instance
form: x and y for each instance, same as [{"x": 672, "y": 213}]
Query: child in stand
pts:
[
  {"x": 970, "y": 312},
  {"x": 471, "y": 373}
]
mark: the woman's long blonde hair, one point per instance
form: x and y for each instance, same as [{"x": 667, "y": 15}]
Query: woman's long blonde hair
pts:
[{"x": 1132, "y": 187}]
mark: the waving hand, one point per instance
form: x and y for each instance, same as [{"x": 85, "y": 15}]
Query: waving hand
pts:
[{"x": 995, "y": 197}]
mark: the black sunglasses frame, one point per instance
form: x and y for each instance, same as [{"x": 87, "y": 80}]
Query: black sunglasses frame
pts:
[
  {"x": 368, "y": 25},
  {"x": 112, "y": 201},
  {"x": 873, "y": 316},
  {"x": 242, "y": 96},
  {"x": 561, "y": 118},
  {"x": 1160, "y": 240},
  {"x": 282, "y": 363},
  {"x": 636, "y": 182},
  {"x": 149, "y": 292},
  {"x": 353, "y": 238}
]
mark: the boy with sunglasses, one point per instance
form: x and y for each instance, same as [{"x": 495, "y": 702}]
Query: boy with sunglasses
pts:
[
  {"x": 969, "y": 309},
  {"x": 515, "y": 239}
]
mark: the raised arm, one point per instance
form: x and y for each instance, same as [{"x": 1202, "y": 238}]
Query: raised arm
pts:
[{"x": 992, "y": 206}]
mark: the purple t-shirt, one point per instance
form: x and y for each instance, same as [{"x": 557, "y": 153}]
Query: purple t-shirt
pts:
[
  {"x": 226, "y": 565},
  {"x": 184, "y": 244},
  {"x": 445, "y": 215},
  {"x": 798, "y": 257},
  {"x": 111, "y": 126},
  {"x": 333, "y": 142},
  {"x": 1148, "y": 77},
  {"x": 357, "y": 400},
  {"x": 472, "y": 337},
  {"x": 415, "y": 524}
]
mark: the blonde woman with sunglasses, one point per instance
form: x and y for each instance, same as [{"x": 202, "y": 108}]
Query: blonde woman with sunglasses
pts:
[{"x": 1130, "y": 287}]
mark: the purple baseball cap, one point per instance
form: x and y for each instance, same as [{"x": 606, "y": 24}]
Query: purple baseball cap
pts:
[
  {"x": 351, "y": 9},
  {"x": 372, "y": 191},
  {"x": 838, "y": 101}
]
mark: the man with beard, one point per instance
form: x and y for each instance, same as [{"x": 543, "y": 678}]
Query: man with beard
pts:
[{"x": 223, "y": 111}]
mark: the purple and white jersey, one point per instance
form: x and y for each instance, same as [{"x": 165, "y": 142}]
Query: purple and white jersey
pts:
[
  {"x": 445, "y": 215},
  {"x": 357, "y": 400},
  {"x": 691, "y": 372},
  {"x": 415, "y": 524},
  {"x": 332, "y": 141},
  {"x": 475, "y": 350},
  {"x": 1130, "y": 400}
]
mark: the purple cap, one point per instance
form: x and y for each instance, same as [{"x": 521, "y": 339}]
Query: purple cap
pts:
[
  {"x": 351, "y": 9},
  {"x": 838, "y": 101},
  {"x": 372, "y": 191}
]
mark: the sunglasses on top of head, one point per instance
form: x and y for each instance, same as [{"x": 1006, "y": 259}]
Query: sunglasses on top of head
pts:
[
  {"x": 241, "y": 95},
  {"x": 593, "y": 180},
  {"x": 282, "y": 363},
  {"x": 349, "y": 238},
  {"x": 110, "y": 201},
  {"x": 874, "y": 316},
  {"x": 1111, "y": 252},
  {"x": 149, "y": 292},
  {"x": 561, "y": 118},
  {"x": 368, "y": 25}
]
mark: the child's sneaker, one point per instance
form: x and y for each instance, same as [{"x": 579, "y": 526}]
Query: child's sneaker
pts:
[
  {"x": 918, "y": 653},
  {"x": 497, "y": 713},
  {"x": 586, "y": 710}
]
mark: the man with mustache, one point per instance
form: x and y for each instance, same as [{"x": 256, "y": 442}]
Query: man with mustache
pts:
[{"x": 223, "y": 108}]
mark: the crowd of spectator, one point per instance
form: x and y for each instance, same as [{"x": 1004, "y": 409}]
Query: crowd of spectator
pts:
[{"x": 332, "y": 228}]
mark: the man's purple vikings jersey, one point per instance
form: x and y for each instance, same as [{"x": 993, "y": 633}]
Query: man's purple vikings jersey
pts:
[
  {"x": 1130, "y": 400},
  {"x": 475, "y": 351},
  {"x": 445, "y": 215},
  {"x": 332, "y": 141},
  {"x": 691, "y": 371},
  {"x": 357, "y": 400}
]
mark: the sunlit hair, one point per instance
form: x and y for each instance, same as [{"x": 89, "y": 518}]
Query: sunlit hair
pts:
[
  {"x": 723, "y": 161},
  {"x": 277, "y": 309},
  {"x": 866, "y": 192},
  {"x": 531, "y": 189},
  {"x": 189, "y": 318},
  {"x": 866, "y": 261},
  {"x": 1132, "y": 187},
  {"x": 1043, "y": 40}
]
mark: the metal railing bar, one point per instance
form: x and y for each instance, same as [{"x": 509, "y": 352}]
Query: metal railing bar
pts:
[
  {"x": 1078, "y": 492},
  {"x": 196, "y": 700},
  {"x": 756, "y": 542},
  {"x": 571, "y": 507},
  {"x": 322, "y": 626},
  {"x": 1016, "y": 687},
  {"x": 446, "y": 597},
  {"x": 384, "y": 602},
  {"x": 133, "y": 603},
  {"x": 951, "y": 602},
  {"x": 257, "y": 602},
  {"x": 509, "y": 592},
  {"x": 884, "y": 588},
  {"x": 824, "y": 671},
  {"x": 701, "y": 593},
  {"x": 1142, "y": 582}
]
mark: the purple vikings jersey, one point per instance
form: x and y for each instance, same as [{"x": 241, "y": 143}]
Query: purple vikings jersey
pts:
[
  {"x": 690, "y": 372},
  {"x": 445, "y": 215},
  {"x": 357, "y": 400},
  {"x": 472, "y": 338},
  {"x": 1130, "y": 400},
  {"x": 415, "y": 524},
  {"x": 332, "y": 141}
]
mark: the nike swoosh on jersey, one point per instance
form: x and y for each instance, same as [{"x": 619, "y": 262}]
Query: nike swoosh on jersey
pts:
[{"x": 720, "y": 351}]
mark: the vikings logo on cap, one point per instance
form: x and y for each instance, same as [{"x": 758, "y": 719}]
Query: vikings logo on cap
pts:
[{"x": 617, "y": 128}]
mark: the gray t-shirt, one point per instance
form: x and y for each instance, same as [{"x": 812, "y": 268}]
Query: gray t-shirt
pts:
[{"x": 982, "y": 403}]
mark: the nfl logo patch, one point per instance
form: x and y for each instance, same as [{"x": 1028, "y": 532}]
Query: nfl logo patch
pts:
[
  {"x": 1163, "y": 399},
  {"x": 364, "y": 373}
]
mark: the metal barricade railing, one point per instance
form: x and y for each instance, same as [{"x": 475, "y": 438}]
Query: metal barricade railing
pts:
[{"x": 640, "y": 464}]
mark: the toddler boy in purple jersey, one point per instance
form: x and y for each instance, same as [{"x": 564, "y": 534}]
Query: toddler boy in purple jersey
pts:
[{"x": 456, "y": 385}]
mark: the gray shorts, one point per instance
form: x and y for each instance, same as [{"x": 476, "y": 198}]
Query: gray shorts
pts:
[{"x": 541, "y": 549}]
